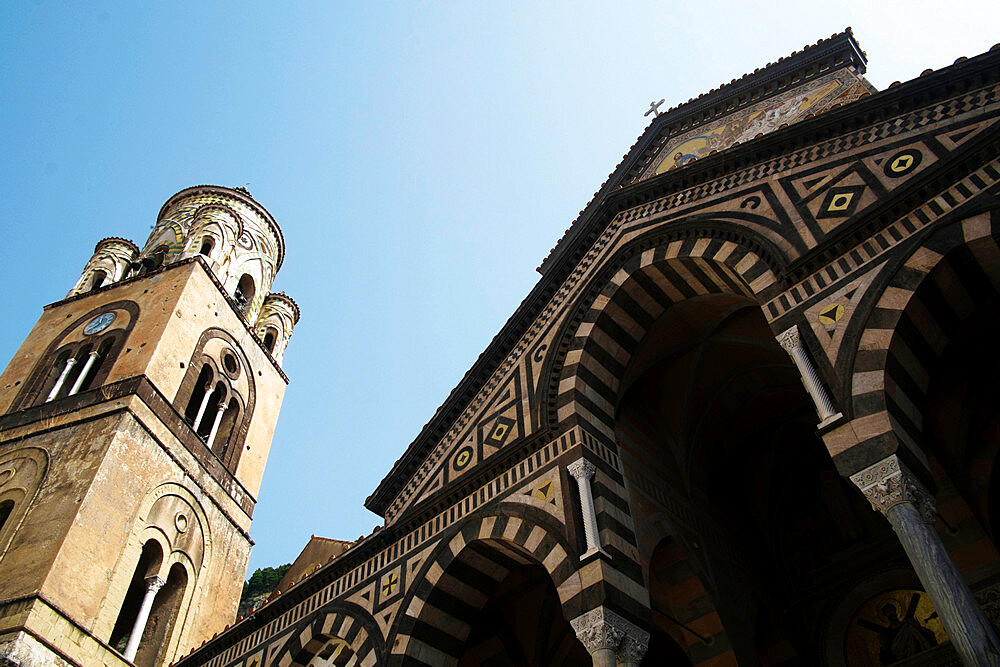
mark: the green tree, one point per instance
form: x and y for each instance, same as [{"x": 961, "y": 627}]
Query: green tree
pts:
[{"x": 259, "y": 586}]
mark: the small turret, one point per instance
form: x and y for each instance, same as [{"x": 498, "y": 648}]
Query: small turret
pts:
[
  {"x": 278, "y": 317},
  {"x": 110, "y": 263}
]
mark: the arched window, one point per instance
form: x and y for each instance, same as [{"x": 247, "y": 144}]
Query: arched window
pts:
[
  {"x": 155, "y": 260},
  {"x": 244, "y": 293},
  {"x": 207, "y": 244},
  {"x": 212, "y": 416},
  {"x": 270, "y": 338},
  {"x": 6, "y": 507},
  {"x": 148, "y": 566},
  {"x": 229, "y": 420},
  {"x": 98, "y": 280},
  {"x": 195, "y": 409},
  {"x": 162, "y": 617}
]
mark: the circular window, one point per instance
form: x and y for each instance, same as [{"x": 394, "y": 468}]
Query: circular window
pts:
[{"x": 230, "y": 364}]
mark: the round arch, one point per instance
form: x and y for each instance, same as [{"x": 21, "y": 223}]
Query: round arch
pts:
[
  {"x": 617, "y": 309},
  {"x": 342, "y": 621}
]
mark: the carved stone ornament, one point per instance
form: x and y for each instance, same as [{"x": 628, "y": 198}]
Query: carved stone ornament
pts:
[
  {"x": 789, "y": 339},
  {"x": 154, "y": 583},
  {"x": 889, "y": 482},
  {"x": 602, "y": 628},
  {"x": 582, "y": 469}
]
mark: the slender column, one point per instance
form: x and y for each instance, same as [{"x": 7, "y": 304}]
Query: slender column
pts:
[
  {"x": 792, "y": 343},
  {"x": 83, "y": 373},
  {"x": 610, "y": 639},
  {"x": 895, "y": 492},
  {"x": 215, "y": 424},
  {"x": 201, "y": 408},
  {"x": 153, "y": 585},
  {"x": 62, "y": 378},
  {"x": 582, "y": 471}
]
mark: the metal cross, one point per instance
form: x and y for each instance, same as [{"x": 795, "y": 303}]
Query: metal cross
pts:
[{"x": 654, "y": 107}]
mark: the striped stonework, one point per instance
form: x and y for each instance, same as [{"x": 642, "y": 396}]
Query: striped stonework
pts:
[
  {"x": 924, "y": 305},
  {"x": 352, "y": 642},
  {"x": 623, "y": 310},
  {"x": 456, "y": 581}
]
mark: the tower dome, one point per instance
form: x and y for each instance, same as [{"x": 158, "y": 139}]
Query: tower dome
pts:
[{"x": 238, "y": 237}]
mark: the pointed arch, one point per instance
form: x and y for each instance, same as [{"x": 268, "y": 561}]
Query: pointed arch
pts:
[
  {"x": 485, "y": 548},
  {"x": 623, "y": 301},
  {"x": 929, "y": 297},
  {"x": 341, "y": 621}
]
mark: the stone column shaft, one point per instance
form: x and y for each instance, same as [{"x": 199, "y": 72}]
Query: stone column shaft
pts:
[
  {"x": 583, "y": 470},
  {"x": 62, "y": 378},
  {"x": 83, "y": 373},
  {"x": 153, "y": 585},
  {"x": 895, "y": 492},
  {"x": 792, "y": 344},
  {"x": 215, "y": 424},
  {"x": 201, "y": 409}
]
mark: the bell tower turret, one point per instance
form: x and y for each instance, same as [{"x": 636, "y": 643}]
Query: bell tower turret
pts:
[{"x": 135, "y": 423}]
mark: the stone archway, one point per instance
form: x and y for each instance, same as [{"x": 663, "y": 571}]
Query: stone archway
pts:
[
  {"x": 339, "y": 634},
  {"x": 468, "y": 607}
]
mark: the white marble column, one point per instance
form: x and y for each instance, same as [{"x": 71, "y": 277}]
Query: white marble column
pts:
[
  {"x": 894, "y": 491},
  {"x": 153, "y": 585},
  {"x": 610, "y": 639},
  {"x": 201, "y": 408},
  {"x": 62, "y": 378},
  {"x": 792, "y": 342},
  {"x": 215, "y": 424},
  {"x": 583, "y": 470},
  {"x": 83, "y": 373}
]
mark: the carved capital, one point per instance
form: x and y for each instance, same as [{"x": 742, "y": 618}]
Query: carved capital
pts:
[
  {"x": 582, "y": 469},
  {"x": 889, "y": 483},
  {"x": 154, "y": 583},
  {"x": 602, "y": 628},
  {"x": 789, "y": 339}
]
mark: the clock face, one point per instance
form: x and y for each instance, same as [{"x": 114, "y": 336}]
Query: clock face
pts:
[{"x": 99, "y": 323}]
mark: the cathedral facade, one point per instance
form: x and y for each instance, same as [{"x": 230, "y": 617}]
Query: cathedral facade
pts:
[{"x": 744, "y": 417}]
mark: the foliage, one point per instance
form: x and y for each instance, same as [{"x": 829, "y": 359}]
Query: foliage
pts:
[{"x": 259, "y": 586}]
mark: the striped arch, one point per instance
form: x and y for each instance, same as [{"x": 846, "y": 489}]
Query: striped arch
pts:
[
  {"x": 351, "y": 625},
  {"x": 679, "y": 600},
  {"x": 162, "y": 236},
  {"x": 925, "y": 304},
  {"x": 479, "y": 553},
  {"x": 619, "y": 310}
]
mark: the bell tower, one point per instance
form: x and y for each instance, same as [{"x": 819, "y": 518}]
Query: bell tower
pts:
[{"x": 135, "y": 423}]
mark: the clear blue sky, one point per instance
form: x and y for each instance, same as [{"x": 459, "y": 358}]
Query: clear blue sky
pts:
[{"x": 421, "y": 159}]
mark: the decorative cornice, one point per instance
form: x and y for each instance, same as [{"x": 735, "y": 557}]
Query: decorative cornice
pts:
[
  {"x": 116, "y": 240},
  {"x": 889, "y": 483},
  {"x": 281, "y": 296}
]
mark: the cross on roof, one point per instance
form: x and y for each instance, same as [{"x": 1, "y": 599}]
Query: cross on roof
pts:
[{"x": 654, "y": 108}]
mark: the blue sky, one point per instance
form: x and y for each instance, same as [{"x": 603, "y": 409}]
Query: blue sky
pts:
[{"x": 421, "y": 159}]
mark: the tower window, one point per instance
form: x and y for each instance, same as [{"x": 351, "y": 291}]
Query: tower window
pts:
[
  {"x": 270, "y": 338},
  {"x": 148, "y": 565},
  {"x": 99, "y": 278},
  {"x": 207, "y": 244},
  {"x": 244, "y": 293},
  {"x": 229, "y": 363}
]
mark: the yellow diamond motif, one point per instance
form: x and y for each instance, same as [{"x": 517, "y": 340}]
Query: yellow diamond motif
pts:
[{"x": 840, "y": 202}]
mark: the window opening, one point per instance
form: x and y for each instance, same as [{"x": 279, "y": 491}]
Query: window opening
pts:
[
  {"x": 195, "y": 408},
  {"x": 207, "y": 244},
  {"x": 6, "y": 507},
  {"x": 270, "y": 338},
  {"x": 148, "y": 565},
  {"x": 98, "y": 281},
  {"x": 162, "y": 617},
  {"x": 244, "y": 293},
  {"x": 221, "y": 444},
  {"x": 212, "y": 415}
]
